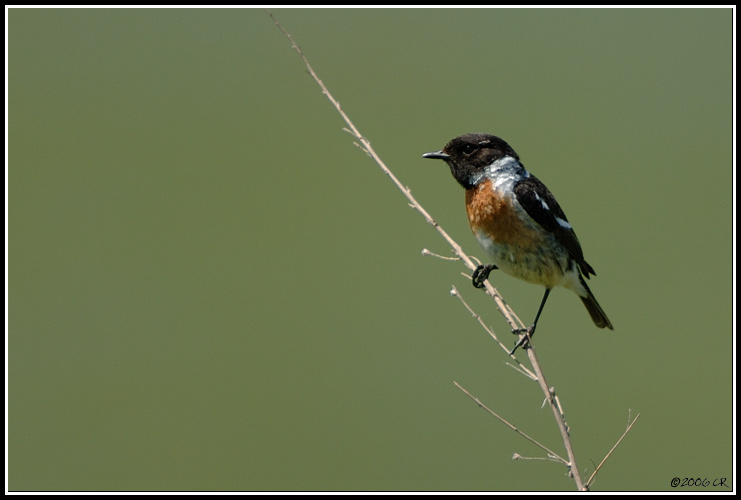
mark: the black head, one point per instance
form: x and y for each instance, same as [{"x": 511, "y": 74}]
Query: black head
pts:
[{"x": 470, "y": 154}]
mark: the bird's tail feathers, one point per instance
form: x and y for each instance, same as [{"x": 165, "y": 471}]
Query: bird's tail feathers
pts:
[{"x": 595, "y": 311}]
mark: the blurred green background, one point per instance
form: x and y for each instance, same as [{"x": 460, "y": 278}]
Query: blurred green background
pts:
[{"x": 212, "y": 288}]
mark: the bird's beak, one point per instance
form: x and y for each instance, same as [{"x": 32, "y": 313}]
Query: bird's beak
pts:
[{"x": 436, "y": 155}]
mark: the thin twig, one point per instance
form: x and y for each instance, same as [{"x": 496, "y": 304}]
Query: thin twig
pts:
[
  {"x": 520, "y": 367},
  {"x": 426, "y": 252},
  {"x": 592, "y": 477}
]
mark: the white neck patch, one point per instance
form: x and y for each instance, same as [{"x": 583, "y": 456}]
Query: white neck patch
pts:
[{"x": 503, "y": 173}]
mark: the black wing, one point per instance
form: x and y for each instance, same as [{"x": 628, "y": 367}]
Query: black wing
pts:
[{"x": 542, "y": 206}]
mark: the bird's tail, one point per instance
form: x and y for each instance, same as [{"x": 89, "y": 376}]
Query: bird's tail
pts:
[{"x": 595, "y": 311}]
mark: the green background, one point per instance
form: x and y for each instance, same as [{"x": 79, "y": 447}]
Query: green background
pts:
[{"x": 212, "y": 288}]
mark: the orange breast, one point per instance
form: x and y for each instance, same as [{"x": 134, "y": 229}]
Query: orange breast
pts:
[{"x": 493, "y": 213}]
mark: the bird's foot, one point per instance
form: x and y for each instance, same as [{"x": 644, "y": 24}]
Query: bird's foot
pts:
[
  {"x": 524, "y": 340},
  {"x": 481, "y": 274}
]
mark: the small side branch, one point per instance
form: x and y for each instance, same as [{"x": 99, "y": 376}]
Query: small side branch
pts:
[
  {"x": 551, "y": 454},
  {"x": 520, "y": 367},
  {"x": 594, "y": 474}
]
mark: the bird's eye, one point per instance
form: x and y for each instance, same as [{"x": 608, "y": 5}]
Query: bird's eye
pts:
[{"x": 468, "y": 149}]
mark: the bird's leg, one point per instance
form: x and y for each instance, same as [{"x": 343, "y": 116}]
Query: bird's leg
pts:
[
  {"x": 481, "y": 274},
  {"x": 529, "y": 332}
]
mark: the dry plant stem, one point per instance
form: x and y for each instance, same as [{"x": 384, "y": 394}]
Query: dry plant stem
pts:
[
  {"x": 549, "y": 394},
  {"x": 366, "y": 146},
  {"x": 508, "y": 314},
  {"x": 560, "y": 420}
]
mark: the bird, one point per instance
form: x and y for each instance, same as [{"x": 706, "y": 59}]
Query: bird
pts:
[{"x": 518, "y": 223}]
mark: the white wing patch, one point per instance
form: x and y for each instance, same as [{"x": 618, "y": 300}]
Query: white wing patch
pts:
[
  {"x": 563, "y": 223},
  {"x": 542, "y": 202}
]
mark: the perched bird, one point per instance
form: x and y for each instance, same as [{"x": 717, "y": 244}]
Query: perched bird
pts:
[{"x": 517, "y": 222}]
